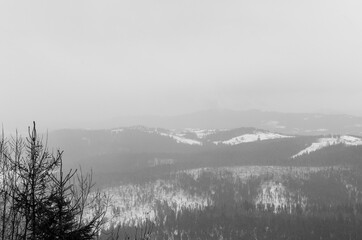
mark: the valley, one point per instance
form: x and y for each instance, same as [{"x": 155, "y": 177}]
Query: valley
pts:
[{"x": 169, "y": 178}]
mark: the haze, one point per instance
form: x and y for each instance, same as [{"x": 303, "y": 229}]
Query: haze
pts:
[{"x": 72, "y": 63}]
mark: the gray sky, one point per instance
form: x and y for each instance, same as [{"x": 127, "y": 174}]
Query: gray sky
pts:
[{"x": 64, "y": 63}]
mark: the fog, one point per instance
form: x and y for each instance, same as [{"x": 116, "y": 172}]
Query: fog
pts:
[{"x": 72, "y": 63}]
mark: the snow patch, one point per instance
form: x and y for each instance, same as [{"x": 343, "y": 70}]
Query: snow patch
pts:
[
  {"x": 202, "y": 133},
  {"x": 134, "y": 204},
  {"x": 252, "y": 137},
  {"x": 316, "y": 130},
  {"x": 180, "y": 139},
  {"x": 272, "y": 193},
  {"x": 350, "y": 140},
  {"x": 246, "y": 172},
  {"x": 117, "y": 130},
  {"x": 275, "y": 193},
  {"x": 160, "y": 161}
]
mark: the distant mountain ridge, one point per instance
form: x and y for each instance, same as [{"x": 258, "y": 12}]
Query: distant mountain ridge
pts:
[
  {"x": 200, "y": 137},
  {"x": 148, "y": 152},
  {"x": 288, "y": 123}
]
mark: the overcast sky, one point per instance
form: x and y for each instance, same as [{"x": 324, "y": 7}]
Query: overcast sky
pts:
[{"x": 64, "y": 63}]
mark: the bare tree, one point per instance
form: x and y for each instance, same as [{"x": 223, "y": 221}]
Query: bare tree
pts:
[{"x": 10, "y": 217}]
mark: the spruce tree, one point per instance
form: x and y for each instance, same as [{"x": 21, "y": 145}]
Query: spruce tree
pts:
[{"x": 46, "y": 201}]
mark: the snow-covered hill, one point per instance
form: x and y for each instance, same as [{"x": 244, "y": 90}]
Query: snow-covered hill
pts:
[
  {"x": 330, "y": 141},
  {"x": 252, "y": 137},
  {"x": 179, "y": 137}
]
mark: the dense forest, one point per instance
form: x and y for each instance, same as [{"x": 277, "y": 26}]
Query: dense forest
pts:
[
  {"x": 247, "y": 221},
  {"x": 254, "y": 203}
]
